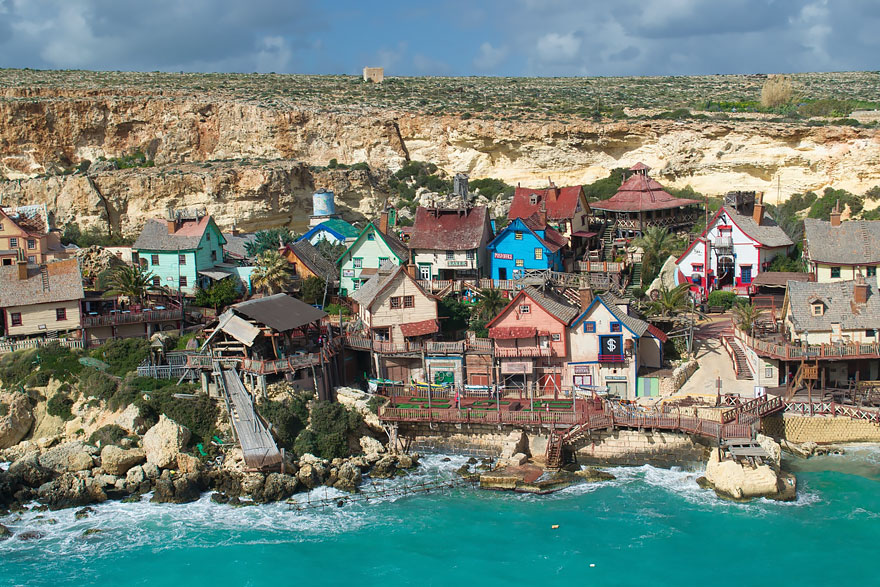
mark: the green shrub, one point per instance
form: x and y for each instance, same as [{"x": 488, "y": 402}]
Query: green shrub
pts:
[
  {"x": 725, "y": 299},
  {"x": 327, "y": 434},
  {"x": 375, "y": 402},
  {"x": 123, "y": 355},
  {"x": 97, "y": 384},
  {"x": 106, "y": 435},
  {"x": 4, "y": 410},
  {"x": 60, "y": 405},
  {"x": 289, "y": 417},
  {"x": 155, "y": 397}
]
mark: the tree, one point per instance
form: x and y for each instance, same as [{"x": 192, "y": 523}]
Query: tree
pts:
[
  {"x": 272, "y": 273},
  {"x": 330, "y": 251},
  {"x": 669, "y": 302},
  {"x": 745, "y": 316},
  {"x": 312, "y": 290},
  {"x": 218, "y": 295},
  {"x": 657, "y": 243},
  {"x": 491, "y": 302},
  {"x": 269, "y": 240},
  {"x": 131, "y": 281}
]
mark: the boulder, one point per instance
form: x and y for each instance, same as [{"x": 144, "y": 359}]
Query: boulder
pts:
[
  {"x": 117, "y": 461},
  {"x": 164, "y": 441},
  {"x": 130, "y": 419},
  {"x": 774, "y": 450},
  {"x": 278, "y": 487},
  {"x": 252, "y": 484},
  {"x": 70, "y": 491},
  {"x": 135, "y": 476},
  {"x": 348, "y": 478},
  {"x": 733, "y": 480},
  {"x": 69, "y": 457},
  {"x": 84, "y": 513},
  {"x": 29, "y": 535},
  {"x": 371, "y": 445},
  {"x": 18, "y": 419},
  {"x": 189, "y": 464},
  {"x": 29, "y": 472},
  {"x": 308, "y": 476},
  {"x": 516, "y": 460},
  {"x": 385, "y": 468},
  {"x": 182, "y": 489},
  {"x": 225, "y": 482},
  {"x": 106, "y": 480},
  {"x": 5, "y": 533},
  {"x": 151, "y": 471},
  {"x": 407, "y": 461}
]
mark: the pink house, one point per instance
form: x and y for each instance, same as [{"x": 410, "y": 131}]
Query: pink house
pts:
[{"x": 531, "y": 343}]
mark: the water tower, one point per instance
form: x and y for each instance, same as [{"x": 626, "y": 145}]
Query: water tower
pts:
[{"x": 323, "y": 207}]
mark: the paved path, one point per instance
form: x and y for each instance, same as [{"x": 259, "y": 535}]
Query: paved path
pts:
[
  {"x": 257, "y": 444},
  {"x": 714, "y": 362}
]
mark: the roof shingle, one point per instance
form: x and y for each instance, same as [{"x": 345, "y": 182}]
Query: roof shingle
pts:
[
  {"x": 640, "y": 192},
  {"x": 449, "y": 230},
  {"x": 560, "y": 203},
  {"x": 839, "y": 306},
  {"x": 64, "y": 279},
  {"x": 854, "y": 242}
]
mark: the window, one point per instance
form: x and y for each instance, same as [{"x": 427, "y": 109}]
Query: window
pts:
[
  {"x": 450, "y": 255},
  {"x": 697, "y": 267},
  {"x": 533, "y": 199},
  {"x": 382, "y": 260},
  {"x": 555, "y": 337},
  {"x": 15, "y": 318},
  {"x": 371, "y": 236},
  {"x": 615, "y": 327},
  {"x": 870, "y": 333},
  {"x": 32, "y": 244},
  {"x": 745, "y": 273},
  {"x": 539, "y": 254},
  {"x": 156, "y": 282},
  {"x": 183, "y": 281},
  {"x": 589, "y": 327},
  {"x": 358, "y": 262},
  {"x": 471, "y": 254},
  {"x": 409, "y": 301},
  {"x": 32, "y": 260},
  {"x": 154, "y": 260},
  {"x": 60, "y": 314},
  {"x": 425, "y": 272},
  {"x": 818, "y": 309},
  {"x": 583, "y": 380},
  {"x": 517, "y": 235},
  {"x": 525, "y": 309},
  {"x": 13, "y": 243},
  {"x": 872, "y": 271},
  {"x": 208, "y": 237},
  {"x": 356, "y": 283},
  {"x": 395, "y": 302},
  {"x": 835, "y": 272},
  {"x": 213, "y": 255},
  {"x": 181, "y": 259},
  {"x": 520, "y": 263},
  {"x": 768, "y": 372}
]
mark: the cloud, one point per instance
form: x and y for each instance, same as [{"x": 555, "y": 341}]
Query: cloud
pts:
[
  {"x": 489, "y": 57},
  {"x": 388, "y": 58},
  {"x": 556, "y": 48},
  {"x": 429, "y": 66}
]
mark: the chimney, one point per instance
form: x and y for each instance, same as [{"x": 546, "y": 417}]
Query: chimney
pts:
[
  {"x": 835, "y": 214},
  {"x": 758, "y": 210},
  {"x": 411, "y": 270},
  {"x": 172, "y": 226},
  {"x": 383, "y": 222},
  {"x": 586, "y": 297},
  {"x": 542, "y": 215},
  {"x": 860, "y": 291},
  {"x": 22, "y": 270}
]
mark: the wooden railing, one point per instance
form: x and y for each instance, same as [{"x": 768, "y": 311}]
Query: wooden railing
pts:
[
  {"x": 523, "y": 351},
  {"x": 455, "y": 416},
  {"x": 832, "y": 409},
  {"x": 760, "y": 407},
  {"x": 33, "y": 343},
  {"x": 118, "y": 318},
  {"x": 364, "y": 343},
  {"x": 284, "y": 365},
  {"x": 842, "y": 350},
  {"x": 600, "y": 266}
]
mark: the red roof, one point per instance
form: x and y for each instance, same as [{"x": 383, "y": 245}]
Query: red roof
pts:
[
  {"x": 422, "y": 328},
  {"x": 449, "y": 230},
  {"x": 511, "y": 332},
  {"x": 553, "y": 240},
  {"x": 561, "y": 203},
  {"x": 658, "y": 334},
  {"x": 640, "y": 193},
  {"x": 639, "y": 167}
]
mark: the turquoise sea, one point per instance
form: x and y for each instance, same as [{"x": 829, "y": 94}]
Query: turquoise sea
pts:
[{"x": 648, "y": 527}]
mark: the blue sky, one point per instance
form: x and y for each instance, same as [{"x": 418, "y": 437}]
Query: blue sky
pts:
[{"x": 444, "y": 37}]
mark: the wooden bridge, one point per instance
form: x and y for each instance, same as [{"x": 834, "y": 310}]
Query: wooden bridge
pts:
[{"x": 257, "y": 445}]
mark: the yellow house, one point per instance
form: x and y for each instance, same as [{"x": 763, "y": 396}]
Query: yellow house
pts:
[
  {"x": 38, "y": 299},
  {"x": 841, "y": 251},
  {"x": 25, "y": 233},
  {"x": 394, "y": 307}
]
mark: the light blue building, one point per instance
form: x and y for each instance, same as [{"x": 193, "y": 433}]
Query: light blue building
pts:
[{"x": 525, "y": 243}]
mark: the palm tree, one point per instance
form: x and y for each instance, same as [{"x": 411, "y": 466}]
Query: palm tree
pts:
[
  {"x": 491, "y": 302},
  {"x": 272, "y": 273},
  {"x": 745, "y": 316},
  {"x": 669, "y": 302},
  {"x": 132, "y": 281},
  {"x": 657, "y": 243}
]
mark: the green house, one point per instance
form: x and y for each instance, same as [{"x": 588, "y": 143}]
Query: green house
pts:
[
  {"x": 362, "y": 259},
  {"x": 181, "y": 252}
]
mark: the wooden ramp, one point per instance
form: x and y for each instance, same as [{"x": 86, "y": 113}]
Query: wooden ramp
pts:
[{"x": 257, "y": 445}]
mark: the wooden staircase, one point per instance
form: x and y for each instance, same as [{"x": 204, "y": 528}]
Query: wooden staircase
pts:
[
  {"x": 607, "y": 237},
  {"x": 555, "y": 453},
  {"x": 741, "y": 365},
  {"x": 635, "y": 278}
]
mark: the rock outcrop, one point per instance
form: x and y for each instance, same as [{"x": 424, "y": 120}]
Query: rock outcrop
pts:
[
  {"x": 742, "y": 481},
  {"x": 164, "y": 441},
  {"x": 69, "y": 457},
  {"x": 17, "y": 421},
  {"x": 117, "y": 461}
]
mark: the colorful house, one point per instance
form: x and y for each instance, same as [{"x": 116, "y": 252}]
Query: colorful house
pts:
[
  {"x": 333, "y": 230},
  {"x": 25, "y": 234},
  {"x": 38, "y": 299},
  {"x": 530, "y": 339},
  {"x": 307, "y": 262},
  {"x": 839, "y": 251},
  {"x": 567, "y": 210},
  {"x": 182, "y": 251},
  {"x": 609, "y": 347},
  {"x": 739, "y": 243},
  {"x": 362, "y": 259},
  {"x": 525, "y": 243},
  {"x": 451, "y": 243}
]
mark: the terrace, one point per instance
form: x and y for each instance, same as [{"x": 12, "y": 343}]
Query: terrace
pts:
[
  {"x": 775, "y": 347},
  {"x": 119, "y": 317}
]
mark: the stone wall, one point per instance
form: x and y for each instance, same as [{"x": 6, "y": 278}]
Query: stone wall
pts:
[
  {"x": 473, "y": 440},
  {"x": 631, "y": 447},
  {"x": 820, "y": 429},
  {"x": 669, "y": 385}
]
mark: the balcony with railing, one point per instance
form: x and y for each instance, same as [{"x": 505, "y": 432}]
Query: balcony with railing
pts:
[
  {"x": 116, "y": 318},
  {"x": 613, "y": 358},
  {"x": 523, "y": 351},
  {"x": 826, "y": 351}
]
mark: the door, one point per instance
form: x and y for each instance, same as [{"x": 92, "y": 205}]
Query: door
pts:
[
  {"x": 425, "y": 272},
  {"x": 502, "y": 273},
  {"x": 746, "y": 273},
  {"x": 617, "y": 388}
]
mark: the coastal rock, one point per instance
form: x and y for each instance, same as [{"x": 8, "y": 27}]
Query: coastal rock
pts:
[
  {"x": 805, "y": 450},
  {"x": 151, "y": 471},
  {"x": 592, "y": 475},
  {"x": 407, "y": 461},
  {"x": 308, "y": 476},
  {"x": 117, "y": 461},
  {"x": 70, "y": 491},
  {"x": 773, "y": 448},
  {"x": 358, "y": 401},
  {"x": 84, "y": 513},
  {"x": 189, "y": 464},
  {"x": 18, "y": 419},
  {"x": 29, "y": 472},
  {"x": 69, "y": 457},
  {"x": 130, "y": 419},
  {"x": 348, "y": 478},
  {"x": 182, "y": 489},
  {"x": 29, "y": 535},
  {"x": 135, "y": 476},
  {"x": 106, "y": 480},
  {"x": 371, "y": 445},
  {"x": 252, "y": 484},
  {"x": 5, "y": 533},
  {"x": 385, "y": 468},
  {"x": 225, "y": 482},
  {"x": 278, "y": 487},
  {"x": 736, "y": 481},
  {"x": 164, "y": 441}
]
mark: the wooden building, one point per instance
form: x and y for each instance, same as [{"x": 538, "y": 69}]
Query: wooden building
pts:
[{"x": 41, "y": 299}]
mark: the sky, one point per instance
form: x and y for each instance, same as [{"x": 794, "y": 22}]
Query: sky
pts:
[{"x": 444, "y": 37}]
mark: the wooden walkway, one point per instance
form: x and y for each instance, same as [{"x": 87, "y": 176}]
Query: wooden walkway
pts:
[{"x": 257, "y": 445}]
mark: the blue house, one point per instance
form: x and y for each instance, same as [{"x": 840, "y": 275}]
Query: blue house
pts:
[{"x": 525, "y": 243}]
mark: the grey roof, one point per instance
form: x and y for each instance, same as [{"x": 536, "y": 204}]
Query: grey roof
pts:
[
  {"x": 315, "y": 261},
  {"x": 63, "y": 277},
  {"x": 280, "y": 312},
  {"x": 553, "y": 304},
  {"x": 155, "y": 237},
  {"x": 367, "y": 292},
  {"x": 238, "y": 328},
  {"x": 640, "y": 327},
  {"x": 854, "y": 242},
  {"x": 768, "y": 233},
  {"x": 235, "y": 244},
  {"x": 839, "y": 306}
]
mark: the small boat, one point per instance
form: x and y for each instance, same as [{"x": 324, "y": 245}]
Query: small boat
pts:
[{"x": 373, "y": 385}]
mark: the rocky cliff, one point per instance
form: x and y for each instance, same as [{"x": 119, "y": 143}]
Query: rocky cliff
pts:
[{"x": 250, "y": 163}]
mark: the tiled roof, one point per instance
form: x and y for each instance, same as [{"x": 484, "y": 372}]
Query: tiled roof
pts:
[
  {"x": 64, "y": 279},
  {"x": 854, "y": 242},
  {"x": 338, "y": 227},
  {"x": 553, "y": 239},
  {"x": 553, "y": 304},
  {"x": 421, "y": 328},
  {"x": 235, "y": 244},
  {"x": 33, "y": 218},
  {"x": 639, "y": 327},
  {"x": 839, "y": 306},
  {"x": 560, "y": 203},
  {"x": 449, "y": 230},
  {"x": 768, "y": 233},
  {"x": 640, "y": 192},
  {"x": 314, "y": 261},
  {"x": 155, "y": 237},
  {"x": 779, "y": 278}
]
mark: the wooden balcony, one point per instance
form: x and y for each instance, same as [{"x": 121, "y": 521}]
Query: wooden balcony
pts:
[
  {"x": 523, "y": 351},
  {"x": 600, "y": 267},
  {"x": 612, "y": 359},
  {"x": 118, "y": 318},
  {"x": 823, "y": 352}
]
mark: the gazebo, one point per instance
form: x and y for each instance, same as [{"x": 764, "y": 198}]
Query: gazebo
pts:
[{"x": 641, "y": 202}]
